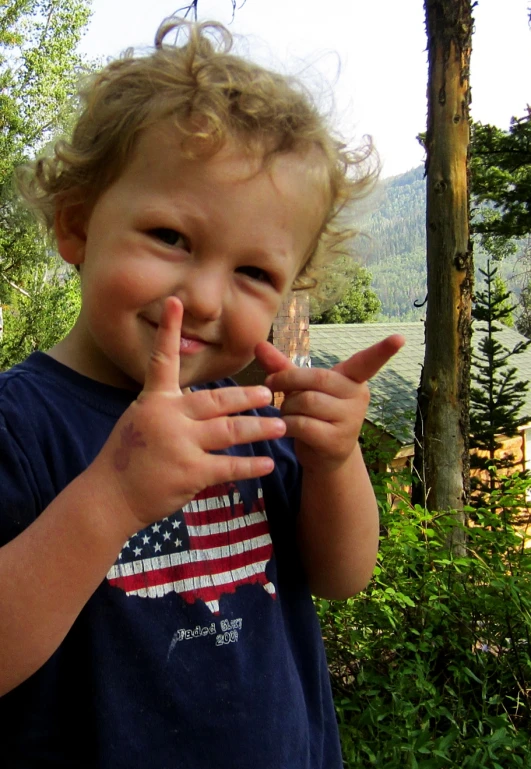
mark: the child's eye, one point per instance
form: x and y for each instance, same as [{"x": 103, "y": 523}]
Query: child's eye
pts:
[
  {"x": 169, "y": 236},
  {"x": 256, "y": 273}
]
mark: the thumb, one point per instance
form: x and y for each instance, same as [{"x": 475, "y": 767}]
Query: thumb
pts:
[
  {"x": 162, "y": 374},
  {"x": 271, "y": 359}
]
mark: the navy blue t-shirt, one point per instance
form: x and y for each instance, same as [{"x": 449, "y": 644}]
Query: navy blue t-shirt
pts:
[{"x": 201, "y": 649}]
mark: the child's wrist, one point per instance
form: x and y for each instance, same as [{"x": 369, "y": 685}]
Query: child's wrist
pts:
[
  {"x": 110, "y": 512},
  {"x": 324, "y": 466}
]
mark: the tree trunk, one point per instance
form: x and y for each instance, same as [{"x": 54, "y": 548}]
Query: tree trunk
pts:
[{"x": 442, "y": 460}]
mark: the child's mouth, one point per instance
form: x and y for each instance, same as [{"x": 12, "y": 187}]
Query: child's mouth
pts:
[
  {"x": 188, "y": 344},
  {"x": 191, "y": 345}
]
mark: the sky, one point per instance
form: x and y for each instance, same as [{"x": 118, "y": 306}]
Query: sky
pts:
[{"x": 366, "y": 57}]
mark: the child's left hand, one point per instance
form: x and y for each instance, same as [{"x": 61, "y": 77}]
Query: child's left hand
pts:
[{"x": 324, "y": 409}]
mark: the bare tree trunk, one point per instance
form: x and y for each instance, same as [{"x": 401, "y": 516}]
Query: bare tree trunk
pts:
[{"x": 442, "y": 458}]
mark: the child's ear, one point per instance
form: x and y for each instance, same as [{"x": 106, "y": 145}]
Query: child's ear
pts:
[{"x": 70, "y": 232}]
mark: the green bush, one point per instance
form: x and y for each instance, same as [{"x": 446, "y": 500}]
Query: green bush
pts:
[
  {"x": 40, "y": 320},
  {"x": 431, "y": 665}
]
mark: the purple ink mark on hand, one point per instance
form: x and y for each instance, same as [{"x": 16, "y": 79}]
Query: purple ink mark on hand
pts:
[{"x": 130, "y": 439}]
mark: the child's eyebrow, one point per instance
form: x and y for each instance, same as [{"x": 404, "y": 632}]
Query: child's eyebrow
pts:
[
  {"x": 179, "y": 211},
  {"x": 274, "y": 257}
]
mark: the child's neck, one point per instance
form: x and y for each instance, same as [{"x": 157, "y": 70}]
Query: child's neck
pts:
[{"x": 69, "y": 353}]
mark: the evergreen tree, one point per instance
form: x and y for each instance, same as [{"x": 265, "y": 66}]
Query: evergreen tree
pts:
[
  {"x": 501, "y": 176},
  {"x": 501, "y": 188},
  {"x": 496, "y": 394}
]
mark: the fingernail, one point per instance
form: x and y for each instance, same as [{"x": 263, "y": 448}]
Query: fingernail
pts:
[
  {"x": 265, "y": 392},
  {"x": 268, "y": 465}
]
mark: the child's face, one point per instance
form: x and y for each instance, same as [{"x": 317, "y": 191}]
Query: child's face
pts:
[{"x": 223, "y": 234}]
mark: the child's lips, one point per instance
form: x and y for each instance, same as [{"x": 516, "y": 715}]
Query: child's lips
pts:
[{"x": 190, "y": 343}]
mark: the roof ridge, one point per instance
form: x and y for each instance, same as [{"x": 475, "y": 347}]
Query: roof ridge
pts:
[{"x": 366, "y": 325}]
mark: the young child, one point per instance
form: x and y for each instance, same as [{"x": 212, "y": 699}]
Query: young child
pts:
[{"x": 162, "y": 529}]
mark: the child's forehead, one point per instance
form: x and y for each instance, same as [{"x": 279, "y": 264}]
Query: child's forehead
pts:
[{"x": 236, "y": 161}]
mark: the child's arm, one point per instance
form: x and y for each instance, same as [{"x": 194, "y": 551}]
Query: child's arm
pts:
[
  {"x": 156, "y": 459},
  {"x": 324, "y": 412}
]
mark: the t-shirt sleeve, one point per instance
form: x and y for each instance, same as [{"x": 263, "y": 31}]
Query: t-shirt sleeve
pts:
[{"x": 19, "y": 495}]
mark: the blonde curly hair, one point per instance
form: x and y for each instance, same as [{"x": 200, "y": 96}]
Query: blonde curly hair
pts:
[{"x": 210, "y": 94}]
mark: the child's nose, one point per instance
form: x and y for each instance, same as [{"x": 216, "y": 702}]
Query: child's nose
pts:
[{"x": 202, "y": 294}]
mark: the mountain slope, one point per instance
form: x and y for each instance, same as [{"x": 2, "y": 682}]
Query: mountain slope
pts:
[{"x": 395, "y": 249}]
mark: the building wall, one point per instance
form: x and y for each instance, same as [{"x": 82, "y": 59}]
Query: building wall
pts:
[{"x": 290, "y": 334}]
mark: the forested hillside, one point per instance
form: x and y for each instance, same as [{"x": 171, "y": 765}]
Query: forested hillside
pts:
[{"x": 395, "y": 251}]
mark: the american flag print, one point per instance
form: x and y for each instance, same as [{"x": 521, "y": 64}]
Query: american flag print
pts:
[{"x": 207, "y": 549}]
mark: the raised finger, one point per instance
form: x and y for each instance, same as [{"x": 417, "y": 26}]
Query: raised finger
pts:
[
  {"x": 218, "y": 434},
  {"x": 366, "y": 363},
  {"x": 162, "y": 374},
  {"x": 208, "y": 404}
]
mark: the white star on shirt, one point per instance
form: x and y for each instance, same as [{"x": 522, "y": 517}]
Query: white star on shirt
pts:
[
  {"x": 175, "y": 524},
  {"x": 156, "y": 528},
  {"x": 157, "y": 547},
  {"x": 137, "y": 550},
  {"x": 145, "y": 539},
  {"x": 167, "y": 535},
  {"x": 178, "y": 543}
]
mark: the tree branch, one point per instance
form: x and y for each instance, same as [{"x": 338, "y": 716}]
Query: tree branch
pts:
[{"x": 14, "y": 285}]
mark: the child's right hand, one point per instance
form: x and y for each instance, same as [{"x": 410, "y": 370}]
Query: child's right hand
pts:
[{"x": 158, "y": 457}]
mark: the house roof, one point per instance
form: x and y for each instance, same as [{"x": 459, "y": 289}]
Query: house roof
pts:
[{"x": 394, "y": 388}]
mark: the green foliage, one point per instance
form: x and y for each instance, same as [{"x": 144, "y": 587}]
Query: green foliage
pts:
[
  {"x": 498, "y": 247},
  {"x": 501, "y": 176},
  {"x": 431, "y": 665},
  {"x": 496, "y": 394},
  {"x": 501, "y": 188},
  {"x": 39, "y": 321},
  {"x": 358, "y": 303},
  {"x": 504, "y": 297},
  {"x": 39, "y": 70}
]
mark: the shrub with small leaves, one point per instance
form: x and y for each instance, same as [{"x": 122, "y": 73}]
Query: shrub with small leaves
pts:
[{"x": 431, "y": 665}]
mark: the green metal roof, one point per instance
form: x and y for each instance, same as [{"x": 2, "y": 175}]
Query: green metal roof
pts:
[{"x": 394, "y": 388}]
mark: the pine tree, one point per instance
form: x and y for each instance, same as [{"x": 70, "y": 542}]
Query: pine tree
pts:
[{"x": 496, "y": 395}]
